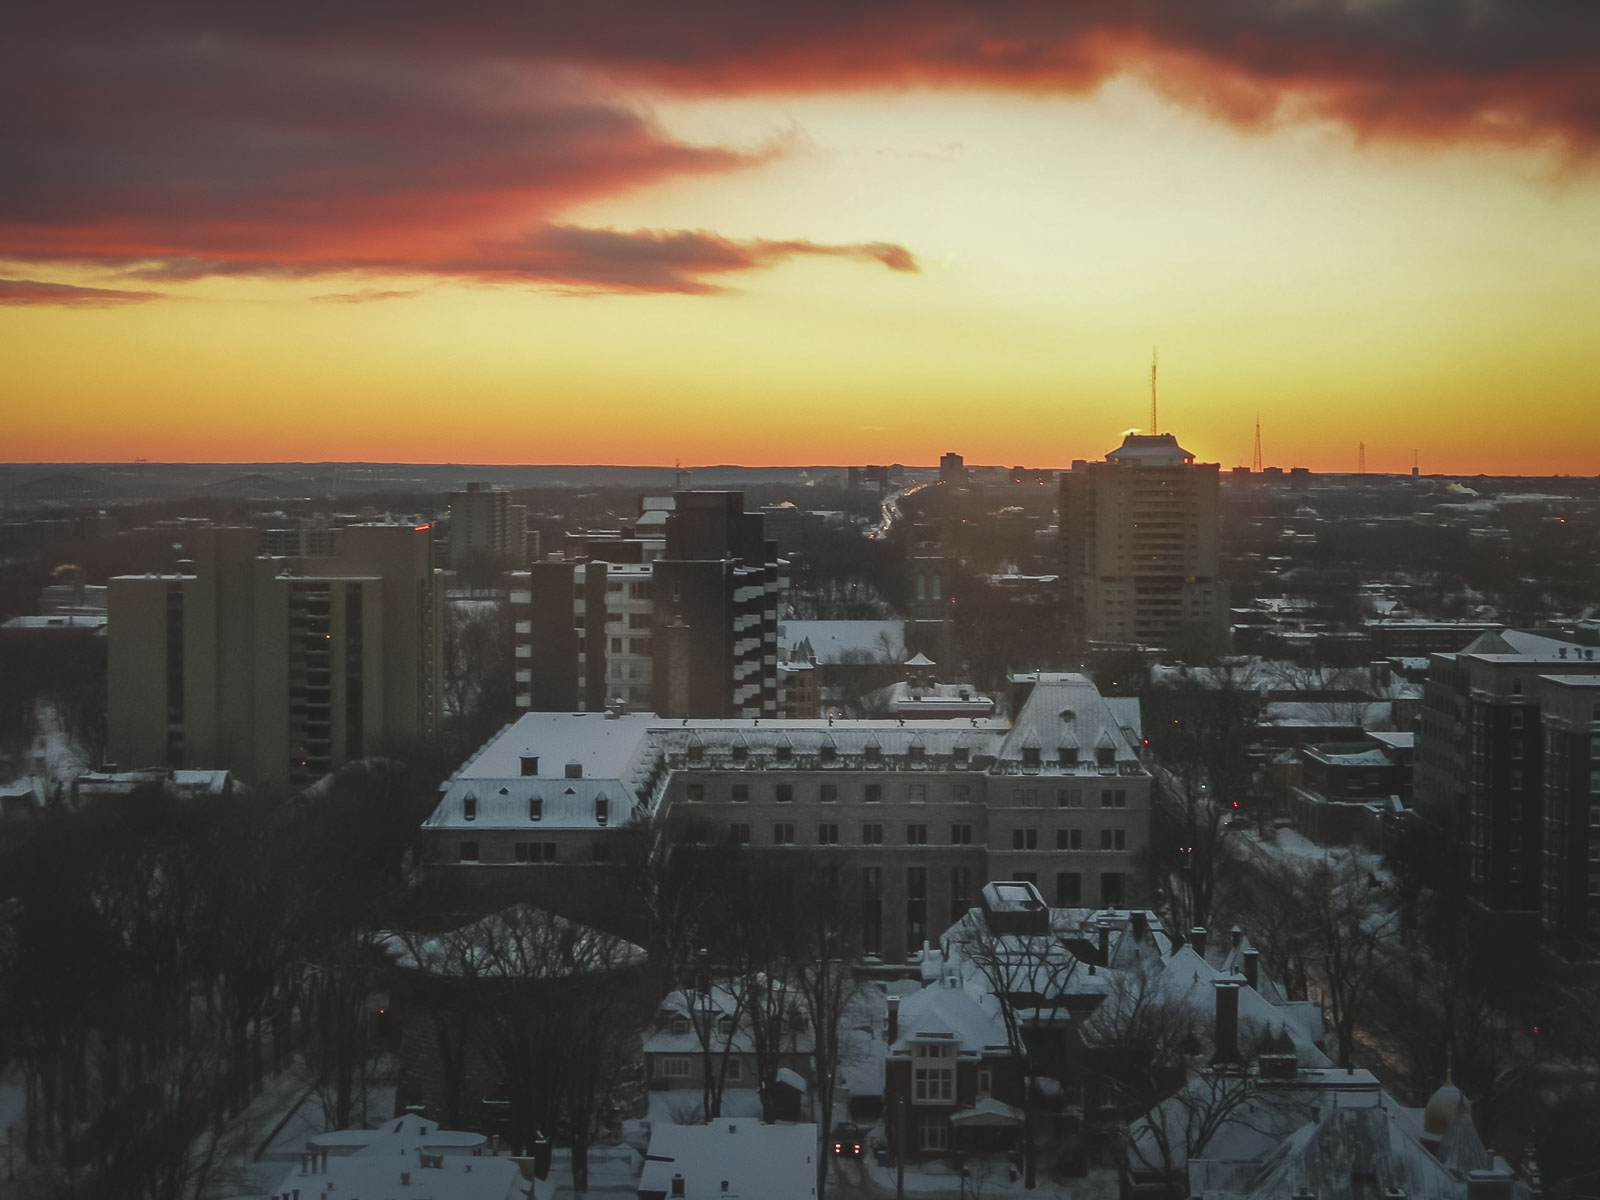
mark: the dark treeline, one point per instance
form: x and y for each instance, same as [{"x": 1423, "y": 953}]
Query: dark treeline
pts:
[{"x": 160, "y": 958}]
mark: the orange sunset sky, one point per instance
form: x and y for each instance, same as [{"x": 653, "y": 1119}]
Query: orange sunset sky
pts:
[{"x": 826, "y": 233}]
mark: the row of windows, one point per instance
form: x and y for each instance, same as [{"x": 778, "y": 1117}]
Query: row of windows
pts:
[
  {"x": 959, "y": 755},
  {"x": 534, "y": 852},
  {"x": 917, "y": 793},
  {"x": 783, "y": 834}
]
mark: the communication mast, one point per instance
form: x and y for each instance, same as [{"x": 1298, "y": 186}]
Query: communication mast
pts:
[
  {"x": 1255, "y": 465},
  {"x": 1361, "y": 458},
  {"x": 1152, "y": 390}
]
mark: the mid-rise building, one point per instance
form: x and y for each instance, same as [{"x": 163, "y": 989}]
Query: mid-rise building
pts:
[
  {"x": 1140, "y": 547},
  {"x": 277, "y": 669},
  {"x": 487, "y": 528},
  {"x": 678, "y": 615},
  {"x": 921, "y": 813},
  {"x": 1509, "y": 751}
]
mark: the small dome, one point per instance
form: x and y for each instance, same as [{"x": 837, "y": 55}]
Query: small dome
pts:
[{"x": 1441, "y": 1110}]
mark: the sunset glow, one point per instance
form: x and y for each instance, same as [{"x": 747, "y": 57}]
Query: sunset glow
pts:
[{"x": 836, "y": 235}]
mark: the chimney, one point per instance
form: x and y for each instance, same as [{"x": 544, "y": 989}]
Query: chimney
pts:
[
  {"x": 1197, "y": 939},
  {"x": 677, "y": 1185},
  {"x": 1141, "y": 925},
  {"x": 1252, "y": 967},
  {"x": 1237, "y": 935},
  {"x": 894, "y": 1020},
  {"x": 1227, "y": 1038},
  {"x": 1105, "y": 942}
]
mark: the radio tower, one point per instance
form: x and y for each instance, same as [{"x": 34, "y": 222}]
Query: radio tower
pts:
[
  {"x": 1152, "y": 390},
  {"x": 1255, "y": 465},
  {"x": 1361, "y": 458}
]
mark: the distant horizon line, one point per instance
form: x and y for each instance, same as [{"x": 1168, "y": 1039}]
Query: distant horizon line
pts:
[{"x": 1406, "y": 473}]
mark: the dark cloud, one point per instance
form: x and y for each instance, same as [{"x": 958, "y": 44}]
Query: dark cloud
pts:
[
  {"x": 35, "y": 292},
  {"x": 310, "y": 138}
]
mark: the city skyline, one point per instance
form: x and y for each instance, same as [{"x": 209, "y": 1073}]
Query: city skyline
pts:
[{"x": 794, "y": 237}]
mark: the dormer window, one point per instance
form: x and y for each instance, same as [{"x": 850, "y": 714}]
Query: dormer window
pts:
[
  {"x": 874, "y": 755},
  {"x": 680, "y": 1025},
  {"x": 469, "y": 808},
  {"x": 740, "y": 753},
  {"x": 1106, "y": 756},
  {"x": 697, "y": 753},
  {"x": 574, "y": 770},
  {"x": 917, "y": 755},
  {"x": 960, "y": 756},
  {"x": 535, "y": 808},
  {"x": 784, "y": 754},
  {"x": 530, "y": 764},
  {"x": 602, "y": 810},
  {"x": 1030, "y": 757},
  {"x": 1068, "y": 756},
  {"x": 829, "y": 754}
]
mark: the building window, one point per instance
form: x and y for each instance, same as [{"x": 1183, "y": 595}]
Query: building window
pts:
[
  {"x": 469, "y": 852},
  {"x": 933, "y": 1133},
  {"x": 961, "y": 755},
  {"x": 784, "y": 754},
  {"x": 916, "y": 756},
  {"x": 739, "y": 793},
  {"x": 1069, "y": 889},
  {"x": 1111, "y": 889},
  {"x": 1113, "y": 839},
  {"x": 1105, "y": 756},
  {"x": 1594, "y": 852},
  {"x": 917, "y": 793},
  {"x": 696, "y": 753},
  {"x": 740, "y": 753},
  {"x": 960, "y": 891},
  {"x": 933, "y": 1072},
  {"x": 785, "y": 793},
  {"x": 1114, "y": 798},
  {"x": 1594, "y": 816},
  {"x": 961, "y": 793},
  {"x": 535, "y": 808},
  {"x": 872, "y": 834},
  {"x": 602, "y": 810},
  {"x": 680, "y": 1025},
  {"x": 985, "y": 1081},
  {"x": 1067, "y": 756},
  {"x": 874, "y": 756},
  {"x": 916, "y": 835},
  {"x": 1069, "y": 798},
  {"x": 1025, "y": 839},
  {"x": 830, "y": 793},
  {"x": 783, "y": 833},
  {"x": 535, "y": 852},
  {"x": 874, "y": 793},
  {"x": 735, "y": 1072},
  {"x": 829, "y": 754},
  {"x": 961, "y": 834},
  {"x": 739, "y": 833},
  {"x": 827, "y": 834},
  {"x": 616, "y": 645},
  {"x": 675, "y": 1066},
  {"x": 469, "y": 808},
  {"x": 1030, "y": 758},
  {"x": 1069, "y": 839},
  {"x": 696, "y": 792}
]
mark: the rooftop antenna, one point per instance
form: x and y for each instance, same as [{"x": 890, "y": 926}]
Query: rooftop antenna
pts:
[
  {"x": 1256, "y": 464},
  {"x": 680, "y": 476},
  {"x": 1414, "y": 470},
  {"x": 1152, "y": 391}
]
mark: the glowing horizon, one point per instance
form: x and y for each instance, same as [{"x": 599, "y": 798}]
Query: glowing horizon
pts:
[{"x": 773, "y": 247}]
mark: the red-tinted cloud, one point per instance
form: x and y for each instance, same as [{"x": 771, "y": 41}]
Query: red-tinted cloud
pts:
[
  {"x": 35, "y": 292},
  {"x": 308, "y": 138}
]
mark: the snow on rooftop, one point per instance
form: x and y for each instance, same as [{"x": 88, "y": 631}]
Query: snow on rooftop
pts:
[{"x": 732, "y": 1159}]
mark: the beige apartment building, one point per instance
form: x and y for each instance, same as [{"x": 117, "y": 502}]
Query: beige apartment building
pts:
[
  {"x": 922, "y": 813},
  {"x": 278, "y": 669},
  {"x": 1141, "y": 545}
]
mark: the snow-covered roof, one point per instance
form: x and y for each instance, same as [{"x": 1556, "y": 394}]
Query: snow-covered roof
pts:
[
  {"x": 945, "y": 1013},
  {"x": 390, "y": 1161},
  {"x": 1067, "y": 710},
  {"x": 732, "y": 1159}
]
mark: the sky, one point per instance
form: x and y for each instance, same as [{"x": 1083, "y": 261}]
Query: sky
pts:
[{"x": 848, "y": 231}]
